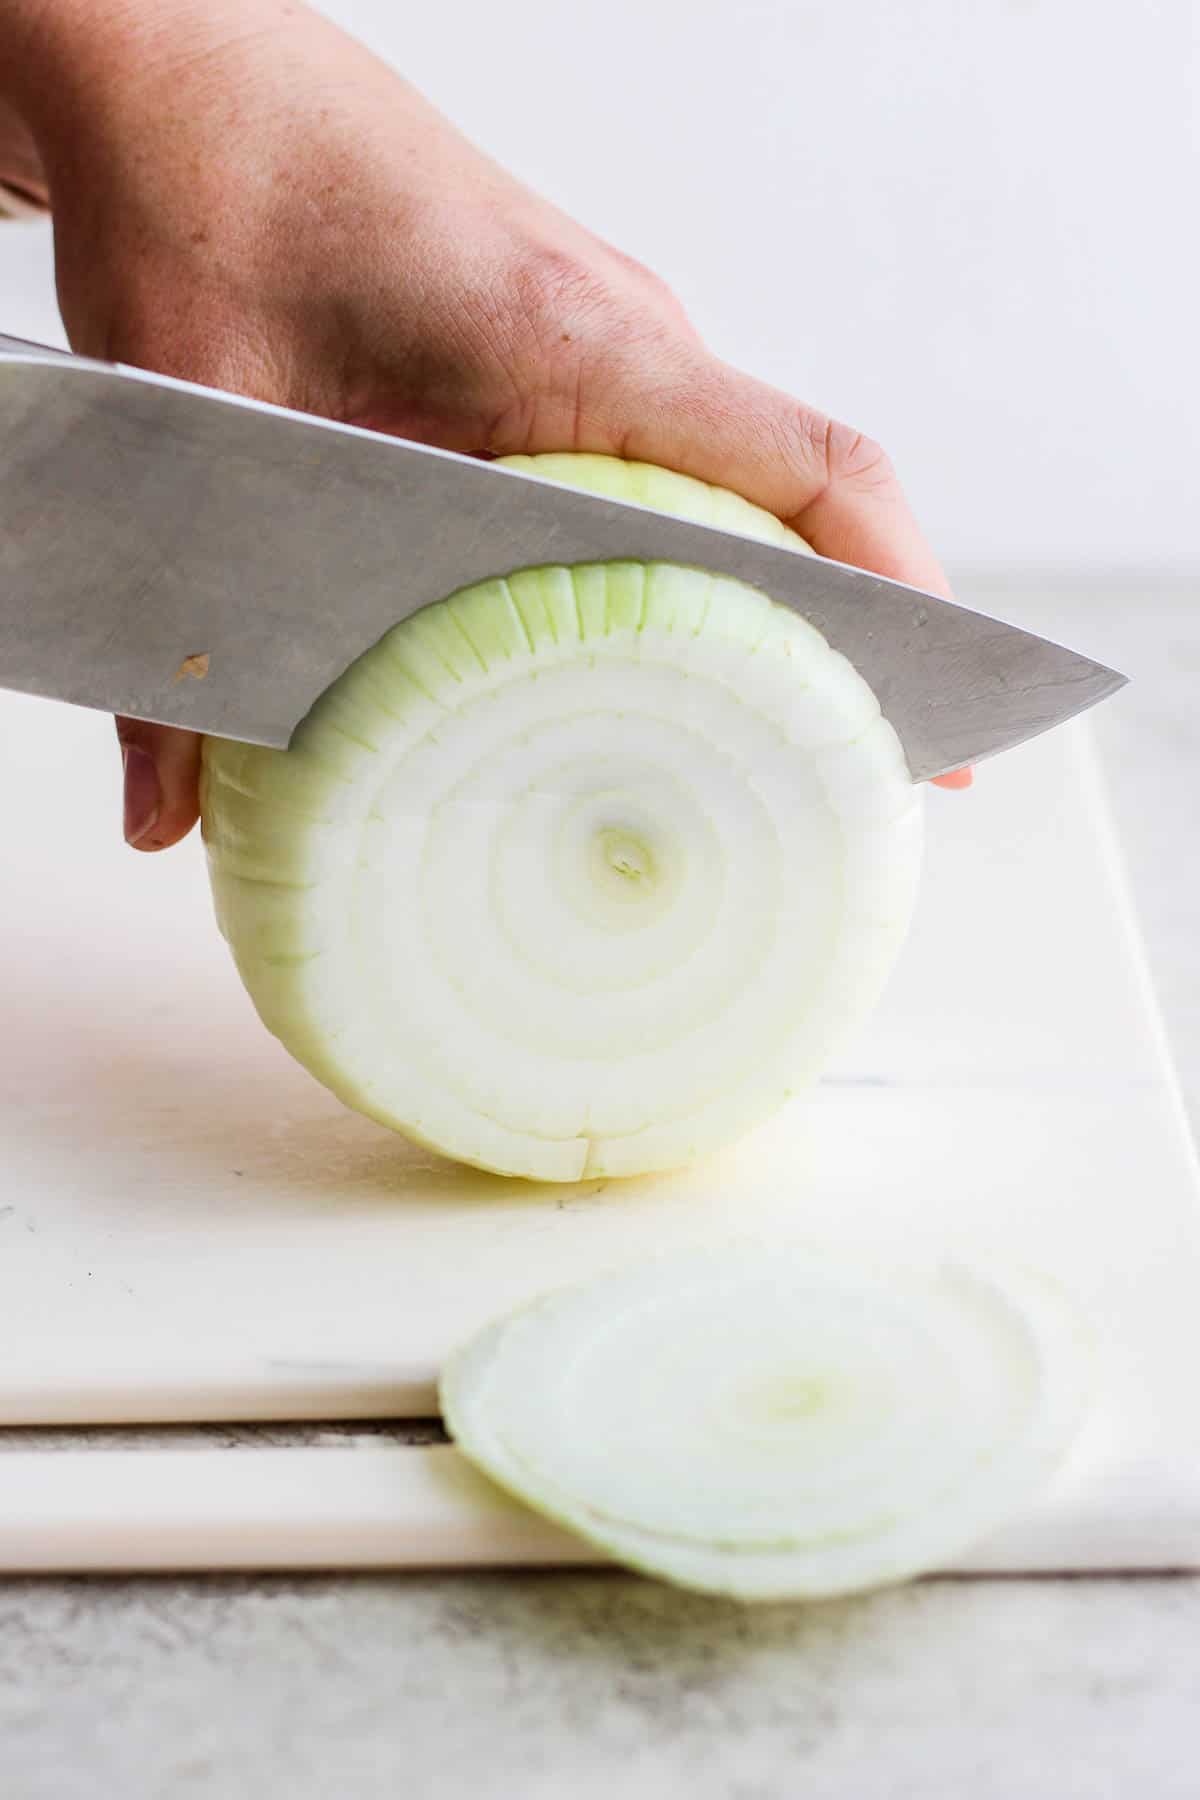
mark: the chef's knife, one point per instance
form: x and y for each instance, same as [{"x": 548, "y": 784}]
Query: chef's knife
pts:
[{"x": 184, "y": 555}]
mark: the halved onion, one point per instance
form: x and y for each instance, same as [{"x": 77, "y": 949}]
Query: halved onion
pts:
[
  {"x": 577, "y": 872},
  {"x": 776, "y": 1421}
]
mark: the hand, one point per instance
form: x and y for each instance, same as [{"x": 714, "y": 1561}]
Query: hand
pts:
[
  {"x": 22, "y": 181},
  {"x": 245, "y": 197}
]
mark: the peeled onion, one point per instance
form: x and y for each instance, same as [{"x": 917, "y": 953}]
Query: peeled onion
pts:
[{"x": 581, "y": 871}]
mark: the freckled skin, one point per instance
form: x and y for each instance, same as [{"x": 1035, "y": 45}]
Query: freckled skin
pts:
[{"x": 243, "y": 196}]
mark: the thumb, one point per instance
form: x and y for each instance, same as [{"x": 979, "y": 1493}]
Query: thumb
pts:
[{"x": 162, "y": 773}]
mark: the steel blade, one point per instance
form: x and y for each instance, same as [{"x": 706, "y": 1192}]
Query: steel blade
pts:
[{"x": 188, "y": 556}]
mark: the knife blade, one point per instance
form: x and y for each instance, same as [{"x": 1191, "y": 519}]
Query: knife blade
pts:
[{"x": 185, "y": 555}]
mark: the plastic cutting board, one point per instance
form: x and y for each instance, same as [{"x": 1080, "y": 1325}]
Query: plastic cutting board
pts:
[{"x": 190, "y": 1228}]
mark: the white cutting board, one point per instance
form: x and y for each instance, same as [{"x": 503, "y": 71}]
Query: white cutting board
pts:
[{"x": 190, "y": 1228}]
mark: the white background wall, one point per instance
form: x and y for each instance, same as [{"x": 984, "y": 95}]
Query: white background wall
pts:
[{"x": 969, "y": 228}]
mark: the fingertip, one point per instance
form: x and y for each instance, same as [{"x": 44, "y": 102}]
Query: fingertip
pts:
[
  {"x": 167, "y": 831},
  {"x": 161, "y": 783}
]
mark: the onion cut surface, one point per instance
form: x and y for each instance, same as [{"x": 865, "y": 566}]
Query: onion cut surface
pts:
[
  {"x": 774, "y": 1421},
  {"x": 580, "y": 871}
]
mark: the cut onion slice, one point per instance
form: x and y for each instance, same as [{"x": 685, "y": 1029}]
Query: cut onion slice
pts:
[
  {"x": 776, "y": 1421},
  {"x": 577, "y": 872}
]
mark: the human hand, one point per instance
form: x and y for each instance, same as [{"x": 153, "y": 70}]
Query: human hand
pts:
[{"x": 245, "y": 197}]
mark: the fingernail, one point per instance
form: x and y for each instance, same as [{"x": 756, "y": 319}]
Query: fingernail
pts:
[
  {"x": 957, "y": 778},
  {"x": 143, "y": 796}
]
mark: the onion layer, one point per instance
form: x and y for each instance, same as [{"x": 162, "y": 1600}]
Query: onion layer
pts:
[{"x": 775, "y": 1421}]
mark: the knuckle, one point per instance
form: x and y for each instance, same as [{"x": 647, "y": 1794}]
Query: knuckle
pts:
[
  {"x": 556, "y": 291},
  {"x": 826, "y": 456},
  {"x": 853, "y": 459},
  {"x": 587, "y": 296},
  {"x": 647, "y": 286},
  {"x": 835, "y": 454}
]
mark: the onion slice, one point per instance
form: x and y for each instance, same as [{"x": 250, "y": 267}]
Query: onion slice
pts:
[
  {"x": 580, "y": 871},
  {"x": 776, "y": 1421}
]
